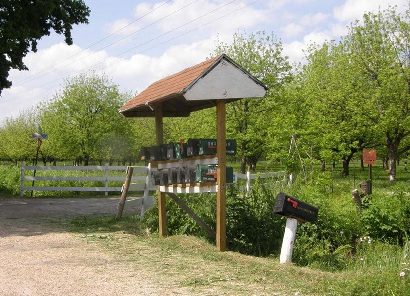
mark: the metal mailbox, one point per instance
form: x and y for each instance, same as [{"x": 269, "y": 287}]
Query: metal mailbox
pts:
[
  {"x": 192, "y": 147},
  {"x": 291, "y": 207},
  {"x": 207, "y": 173},
  {"x": 180, "y": 150},
  {"x": 171, "y": 153},
  {"x": 144, "y": 153}
]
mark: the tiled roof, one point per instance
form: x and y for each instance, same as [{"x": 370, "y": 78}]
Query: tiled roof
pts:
[{"x": 170, "y": 86}]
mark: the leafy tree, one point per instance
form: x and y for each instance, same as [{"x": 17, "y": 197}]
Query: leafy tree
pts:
[
  {"x": 16, "y": 134},
  {"x": 23, "y": 22},
  {"x": 83, "y": 121},
  {"x": 261, "y": 55},
  {"x": 381, "y": 48},
  {"x": 341, "y": 118}
]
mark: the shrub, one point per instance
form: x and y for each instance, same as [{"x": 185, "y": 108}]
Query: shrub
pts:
[
  {"x": 9, "y": 179},
  {"x": 387, "y": 218}
]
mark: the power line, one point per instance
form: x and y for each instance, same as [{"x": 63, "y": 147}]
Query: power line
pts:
[
  {"x": 42, "y": 73},
  {"x": 167, "y": 32}
]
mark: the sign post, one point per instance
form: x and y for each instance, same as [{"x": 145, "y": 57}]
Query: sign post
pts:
[{"x": 369, "y": 158}]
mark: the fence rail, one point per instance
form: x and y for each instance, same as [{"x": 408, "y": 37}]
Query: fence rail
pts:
[{"x": 139, "y": 183}]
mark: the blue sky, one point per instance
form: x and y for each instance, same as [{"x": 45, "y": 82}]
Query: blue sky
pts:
[{"x": 137, "y": 42}]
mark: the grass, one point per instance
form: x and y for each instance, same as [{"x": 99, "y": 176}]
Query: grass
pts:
[{"x": 194, "y": 264}]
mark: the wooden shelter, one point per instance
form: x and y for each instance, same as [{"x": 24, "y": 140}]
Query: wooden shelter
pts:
[{"x": 214, "y": 82}]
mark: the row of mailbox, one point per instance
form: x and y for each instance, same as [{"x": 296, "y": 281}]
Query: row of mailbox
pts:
[
  {"x": 182, "y": 175},
  {"x": 194, "y": 147}
]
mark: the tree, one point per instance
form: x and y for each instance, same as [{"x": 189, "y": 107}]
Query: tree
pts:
[
  {"x": 24, "y": 22},
  {"x": 16, "y": 141},
  {"x": 381, "y": 48},
  {"x": 261, "y": 55},
  {"x": 341, "y": 114},
  {"x": 83, "y": 122}
]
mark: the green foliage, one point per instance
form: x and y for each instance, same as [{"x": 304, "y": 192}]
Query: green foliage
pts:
[
  {"x": 9, "y": 179},
  {"x": 387, "y": 218},
  {"x": 261, "y": 55},
  {"x": 16, "y": 138},
  {"x": 25, "y": 22},
  {"x": 83, "y": 122}
]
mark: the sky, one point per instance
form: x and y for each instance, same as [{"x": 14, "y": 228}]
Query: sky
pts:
[{"x": 135, "y": 43}]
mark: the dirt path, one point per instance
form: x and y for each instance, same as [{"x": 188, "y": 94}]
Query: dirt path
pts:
[{"x": 38, "y": 258}]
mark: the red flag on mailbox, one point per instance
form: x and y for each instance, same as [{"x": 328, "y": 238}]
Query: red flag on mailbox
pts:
[{"x": 369, "y": 156}]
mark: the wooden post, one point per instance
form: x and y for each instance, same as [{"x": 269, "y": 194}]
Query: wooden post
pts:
[
  {"x": 288, "y": 241},
  {"x": 144, "y": 204},
  {"x": 22, "y": 177},
  {"x": 124, "y": 193},
  {"x": 221, "y": 176},
  {"x": 162, "y": 212}
]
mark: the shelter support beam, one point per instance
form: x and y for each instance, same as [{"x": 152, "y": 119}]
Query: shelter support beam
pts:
[
  {"x": 221, "y": 176},
  {"x": 162, "y": 212}
]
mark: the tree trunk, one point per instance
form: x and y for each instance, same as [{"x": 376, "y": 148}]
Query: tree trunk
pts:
[
  {"x": 393, "y": 154},
  {"x": 243, "y": 165},
  {"x": 323, "y": 165},
  {"x": 361, "y": 162},
  {"x": 346, "y": 163}
]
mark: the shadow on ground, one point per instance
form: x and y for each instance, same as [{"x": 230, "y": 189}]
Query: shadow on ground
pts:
[{"x": 27, "y": 217}]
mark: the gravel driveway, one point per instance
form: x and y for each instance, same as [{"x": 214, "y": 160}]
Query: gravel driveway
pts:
[{"x": 38, "y": 258}]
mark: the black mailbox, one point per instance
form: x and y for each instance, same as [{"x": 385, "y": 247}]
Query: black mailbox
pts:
[{"x": 291, "y": 207}]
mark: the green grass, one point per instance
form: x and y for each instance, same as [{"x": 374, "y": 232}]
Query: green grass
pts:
[{"x": 193, "y": 263}]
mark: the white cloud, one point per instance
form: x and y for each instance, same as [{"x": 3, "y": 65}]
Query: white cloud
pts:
[
  {"x": 179, "y": 12},
  {"x": 294, "y": 50},
  {"x": 292, "y": 29},
  {"x": 123, "y": 27},
  {"x": 313, "y": 19},
  {"x": 354, "y": 9}
]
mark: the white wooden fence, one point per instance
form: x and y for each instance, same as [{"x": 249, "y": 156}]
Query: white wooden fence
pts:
[
  {"x": 248, "y": 177},
  {"x": 140, "y": 181}
]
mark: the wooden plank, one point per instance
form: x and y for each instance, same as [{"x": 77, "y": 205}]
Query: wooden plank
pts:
[
  {"x": 188, "y": 188},
  {"x": 124, "y": 193},
  {"x": 85, "y": 189},
  {"x": 221, "y": 176},
  {"x": 85, "y": 178},
  {"x": 141, "y": 169},
  {"x": 162, "y": 213},
  {"x": 183, "y": 205},
  {"x": 191, "y": 161},
  {"x": 22, "y": 171}
]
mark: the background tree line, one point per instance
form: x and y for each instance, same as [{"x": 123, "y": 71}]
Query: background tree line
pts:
[{"x": 351, "y": 94}]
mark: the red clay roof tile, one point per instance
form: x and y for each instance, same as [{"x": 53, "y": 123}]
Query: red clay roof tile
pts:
[{"x": 169, "y": 86}]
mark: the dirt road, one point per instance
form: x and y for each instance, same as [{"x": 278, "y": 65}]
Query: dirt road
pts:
[{"x": 39, "y": 258}]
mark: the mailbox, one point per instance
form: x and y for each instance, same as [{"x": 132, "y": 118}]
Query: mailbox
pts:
[
  {"x": 180, "y": 150},
  {"x": 171, "y": 153},
  {"x": 144, "y": 153},
  {"x": 291, "y": 207},
  {"x": 192, "y": 147},
  {"x": 207, "y": 173}
]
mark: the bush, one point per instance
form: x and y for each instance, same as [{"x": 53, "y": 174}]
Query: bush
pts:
[
  {"x": 387, "y": 218},
  {"x": 10, "y": 179}
]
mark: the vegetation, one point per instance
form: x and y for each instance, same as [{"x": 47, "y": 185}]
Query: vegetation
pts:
[
  {"x": 23, "y": 23},
  {"x": 315, "y": 120}
]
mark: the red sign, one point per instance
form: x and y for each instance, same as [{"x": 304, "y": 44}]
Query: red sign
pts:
[{"x": 369, "y": 156}]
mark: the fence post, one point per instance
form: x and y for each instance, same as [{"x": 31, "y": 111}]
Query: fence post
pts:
[
  {"x": 146, "y": 190},
  {"x": 248, "y": 181},
  {"x": 22, "y": 179},
  {"x": 125, "y": 188},
  {"x": 106, "y": 179}
]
